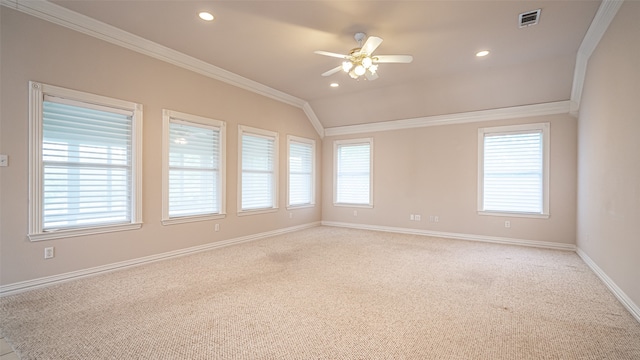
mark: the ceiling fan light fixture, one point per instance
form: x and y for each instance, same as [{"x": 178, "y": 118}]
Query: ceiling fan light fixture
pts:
[
  {"x": 346, "y": 66},
  {"x": 367, "y": 62},
  {"x": 359, "y": 70},
  {"x": 373, "y": 68}
]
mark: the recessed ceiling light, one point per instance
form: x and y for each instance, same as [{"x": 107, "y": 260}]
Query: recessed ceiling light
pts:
[
  {"x": 206, "y": 16},
  {"x": 482, "y": 53},
  {"x": 334, "y": 85}
]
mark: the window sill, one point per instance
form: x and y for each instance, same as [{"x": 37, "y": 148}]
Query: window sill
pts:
[
  {"x": 190, "y": 219},
  {"x": 59, "y": 234},
  {"x": 366, "y": 206},
  {"x": 301, "y": 206},
  {"x": 256, "y": 212},
  {"x": 513, "y": 214}
]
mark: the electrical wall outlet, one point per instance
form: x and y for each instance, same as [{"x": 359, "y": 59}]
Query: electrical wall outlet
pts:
[
  {"x": 48, "y": 253},
  {"x": 216, "y": 227},
  {"x": 418, "y": 217},
  {"x": 4, "y": 160},
  {"x": 411, "y": 217},
  {"x": 507, "y": 224}
]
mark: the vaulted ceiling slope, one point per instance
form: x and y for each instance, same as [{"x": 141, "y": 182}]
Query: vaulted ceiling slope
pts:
[{"x": 273, "y": 43}]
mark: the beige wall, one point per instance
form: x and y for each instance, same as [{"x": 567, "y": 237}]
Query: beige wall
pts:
[
  {"x": 433, "y": 171},
  {"x": 608, "y": 222},
  {"x": 36, "y": 50}
]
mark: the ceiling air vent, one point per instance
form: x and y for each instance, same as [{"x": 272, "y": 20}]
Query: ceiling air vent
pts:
[{"x": 529, "y": 18}]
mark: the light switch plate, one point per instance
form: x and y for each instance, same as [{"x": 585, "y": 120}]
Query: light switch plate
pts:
[{"x": 4, "y": 160}]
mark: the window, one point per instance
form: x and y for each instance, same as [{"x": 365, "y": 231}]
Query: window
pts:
[
  {"x": 84, "y": 163},
  {"x": 513, "y": 168},
  {"x": 258, "y": 170},
  {"x": 301, "y": 171},
  {"x": 353, "y": 173},
  {"x": 193, "y": 168}
]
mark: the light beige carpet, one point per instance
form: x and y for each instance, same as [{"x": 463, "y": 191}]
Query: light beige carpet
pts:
[{"x": 330, "y": 293}]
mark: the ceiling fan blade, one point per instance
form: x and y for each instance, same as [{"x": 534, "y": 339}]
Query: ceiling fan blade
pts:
[
  {"x": 326, "y": 53},
  {"x": 405, "y": 59},
  {"x": 371, "y": 45},
  {"x": 371, "y": 76},
  {"x": 332, "y": 71}
]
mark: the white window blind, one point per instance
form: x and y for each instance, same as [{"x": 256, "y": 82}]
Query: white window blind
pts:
[
  {"x": 194, "y": 169},
  {"x": 87, "y": 164},
  {"x": 353, "y": 173},
  {"x": 513, "y": 175},
  {"x": 301, "y": 173},
  {"x": 258, "y": 178}
]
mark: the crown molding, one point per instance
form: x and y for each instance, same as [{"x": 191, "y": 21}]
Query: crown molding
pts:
[
  {"x": 70, "y": 19},
  {"x": 89, "y": 26},
  {"x": 313, "y": 119},
  {"x": 579, "y": 73},
  {"x": 553, "y": 108},
  {"x": 605, "y": 14}
]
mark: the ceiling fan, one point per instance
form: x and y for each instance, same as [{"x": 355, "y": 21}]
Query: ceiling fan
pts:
[{"x": 361, "y": 60}]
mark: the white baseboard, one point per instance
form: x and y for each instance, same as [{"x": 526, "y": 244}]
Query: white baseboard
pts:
[
  {"x": 22, "y": 286},
  {"x": 458, "y": 236},
  {"x": 622, "y": 297}
]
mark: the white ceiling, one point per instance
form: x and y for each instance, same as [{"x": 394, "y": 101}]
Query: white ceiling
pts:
[{"x": 272, "y": 42}]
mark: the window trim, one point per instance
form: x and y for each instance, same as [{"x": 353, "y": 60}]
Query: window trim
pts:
[
  {"x": 338, "y": 143},
  {"x": 168, "y": 117},
  {"x": 37, "y": 92},
  {"x": 302, "y": 140},
  {"x": 242, "y": 129},
  {"x": 515, "y": 129}
]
